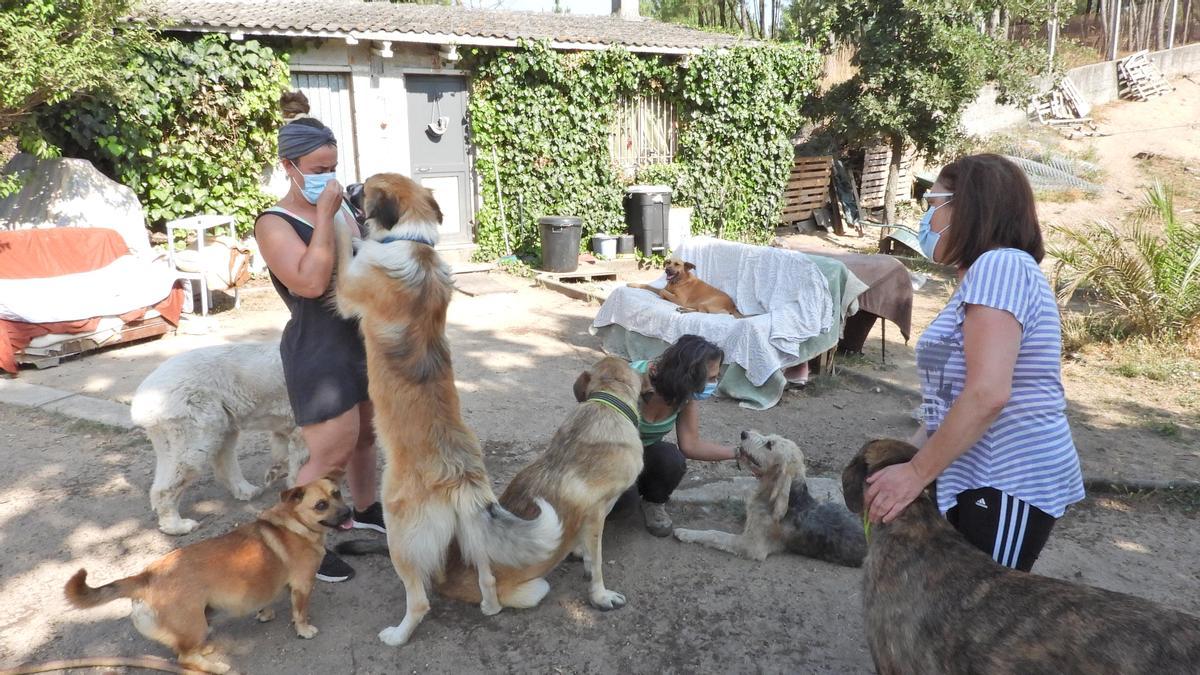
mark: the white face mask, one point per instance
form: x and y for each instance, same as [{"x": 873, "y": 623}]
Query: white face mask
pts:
[{"x": 926, "y": 237}]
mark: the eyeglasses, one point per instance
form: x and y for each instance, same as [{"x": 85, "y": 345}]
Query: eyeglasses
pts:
[{"x": 931, "y": 199}]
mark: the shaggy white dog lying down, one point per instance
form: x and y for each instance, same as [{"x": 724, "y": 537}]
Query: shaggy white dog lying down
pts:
[{"x": 193, "y": 407}]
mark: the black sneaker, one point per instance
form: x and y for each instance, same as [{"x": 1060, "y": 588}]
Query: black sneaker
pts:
[
  {"x": 333, "y": 569},
  {"x": 370, "y": 518}
]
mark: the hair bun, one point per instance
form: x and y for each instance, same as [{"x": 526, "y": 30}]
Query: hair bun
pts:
[{"x": 293, "y": 105}]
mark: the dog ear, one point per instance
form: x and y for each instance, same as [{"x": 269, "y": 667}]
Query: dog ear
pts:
[
  {"x": 688, "y": 266},
  {"x": 292, "y": 494},
  {"x": 436, "y": 209},
  {"x": 854, "y": 476},
  {"x": 782, "y": 474},
  {"x": 383, "y": 208},
  {"x": 581, "y": 385}
]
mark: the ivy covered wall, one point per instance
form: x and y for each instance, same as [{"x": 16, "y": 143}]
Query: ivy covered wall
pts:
[{"x": 540, "y": 123}]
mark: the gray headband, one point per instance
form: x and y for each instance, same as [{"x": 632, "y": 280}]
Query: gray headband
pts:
[{"x": 297, "y": 140}]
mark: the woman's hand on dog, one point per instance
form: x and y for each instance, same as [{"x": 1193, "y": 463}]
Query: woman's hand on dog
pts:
[{"x": 891, "y": 490}]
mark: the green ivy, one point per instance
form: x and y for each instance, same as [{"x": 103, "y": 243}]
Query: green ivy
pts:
[
  {"x": 192, "y": 131},
  {"x": 540, "y": 123},
  {"x": 741, "y": 108}
]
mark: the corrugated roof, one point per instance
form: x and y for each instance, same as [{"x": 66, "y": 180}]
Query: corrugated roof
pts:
[{"x": 426, "y": 23}]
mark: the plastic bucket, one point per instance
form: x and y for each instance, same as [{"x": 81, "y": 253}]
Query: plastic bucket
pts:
[{"x": 604, "y": 245}]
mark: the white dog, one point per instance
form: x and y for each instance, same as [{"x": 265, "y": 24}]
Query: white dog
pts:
[{"x": 193, "y": 407}]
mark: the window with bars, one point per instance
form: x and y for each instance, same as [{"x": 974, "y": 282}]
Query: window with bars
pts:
[{"x": 644, "y": 132}]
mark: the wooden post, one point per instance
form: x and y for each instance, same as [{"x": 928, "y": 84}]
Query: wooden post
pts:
[
  {"x": 1052, "y": 32},
  {"x": 1116, "y": 30},
  {"x": 1171, "y": 34}
]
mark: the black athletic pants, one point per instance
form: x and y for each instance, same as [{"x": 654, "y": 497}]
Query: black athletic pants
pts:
[
  {"x": 662, "y": 473},
  {"x": 1013, "y": 532}
]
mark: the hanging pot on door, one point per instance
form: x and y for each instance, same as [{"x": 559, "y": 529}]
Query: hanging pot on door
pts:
[{"x": 439, "y": 126}]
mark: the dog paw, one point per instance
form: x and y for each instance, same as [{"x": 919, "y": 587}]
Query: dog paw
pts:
[
  {"x": 490, "y": 609},
  {"x": 393, "y": 636},
  {"x": 265, "y": 614},
  {"x": 245, "y": 492},
  {"x": 306, "y": 631},
  {"x": 606, "y": 600},
  {"x": 177, "y": 526},
  {"x": 684, "y": 535}
]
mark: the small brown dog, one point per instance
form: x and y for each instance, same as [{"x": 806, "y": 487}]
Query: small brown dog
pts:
[
  {"x": 239, "y": 572},
  {"x": 933, "y": 603},
  {"x": 691, "y": 294}
]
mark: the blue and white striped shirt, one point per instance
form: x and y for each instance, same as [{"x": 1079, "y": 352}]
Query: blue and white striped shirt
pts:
[{"x": 1028, "y": 451}]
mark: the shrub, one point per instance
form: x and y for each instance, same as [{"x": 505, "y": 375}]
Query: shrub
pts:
[
  {"x": 192, "y": 130},
  {"x": 673, "y": 174},
  {"x": 1153, "y": 280}
]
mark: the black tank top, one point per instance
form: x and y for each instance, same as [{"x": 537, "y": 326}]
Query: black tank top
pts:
[{"x": 324, "y": 362}]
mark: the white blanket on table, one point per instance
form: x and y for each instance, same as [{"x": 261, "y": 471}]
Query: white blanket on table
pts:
[
  {"x": 125, "y": 284},
  {"x": 784, "y": 289}
]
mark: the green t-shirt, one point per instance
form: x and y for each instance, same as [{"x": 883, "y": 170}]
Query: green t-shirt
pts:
[{"x": 653, "y": 432}]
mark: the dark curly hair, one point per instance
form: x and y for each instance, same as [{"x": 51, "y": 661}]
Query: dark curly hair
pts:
[{"x": 683, "y": 369}]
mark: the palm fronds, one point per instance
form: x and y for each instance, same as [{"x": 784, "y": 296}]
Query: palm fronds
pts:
[{"x": 1152, "y": 279}]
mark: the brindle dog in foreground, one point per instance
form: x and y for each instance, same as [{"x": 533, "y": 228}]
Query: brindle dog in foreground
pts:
[{"x": 935, "y": 604}]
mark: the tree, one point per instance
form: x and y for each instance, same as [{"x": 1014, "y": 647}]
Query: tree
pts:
[
  {"x": 51, "y": 50},
  {"x": 920, "y": 62}
]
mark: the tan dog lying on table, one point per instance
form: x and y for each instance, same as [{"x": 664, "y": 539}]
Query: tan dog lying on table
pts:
[
  {"x": 691, "y": 294},
  {"x": 239, "y": 572}
]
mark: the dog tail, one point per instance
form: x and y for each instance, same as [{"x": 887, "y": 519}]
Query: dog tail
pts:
[
  {"x": 511, "y": 541},
  {"x": 83, "y": 596}
]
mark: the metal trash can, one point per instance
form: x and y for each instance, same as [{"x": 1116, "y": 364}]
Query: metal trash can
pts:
[
  {"x": 646, "y": 212},
  {"x": 560, "y": 236}
]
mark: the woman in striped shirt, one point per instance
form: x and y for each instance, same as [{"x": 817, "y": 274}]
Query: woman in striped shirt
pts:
[{"x": 995, "y": 440}]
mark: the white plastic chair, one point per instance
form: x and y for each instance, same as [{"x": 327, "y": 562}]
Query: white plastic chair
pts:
[{"x": 199, "y": 225}]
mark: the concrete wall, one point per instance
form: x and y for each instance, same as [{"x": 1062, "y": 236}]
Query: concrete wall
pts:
[{"x": 1097, "y": 83}]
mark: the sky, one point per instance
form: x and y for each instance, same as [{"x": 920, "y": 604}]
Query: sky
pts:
[{"x": 574, "y": 6}]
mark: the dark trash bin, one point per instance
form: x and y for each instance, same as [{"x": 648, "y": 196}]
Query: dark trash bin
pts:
[
  {"x": 560, "y": 237},
  {"x": 646, "y": 211},
  {"x": 625, "y": 244}
]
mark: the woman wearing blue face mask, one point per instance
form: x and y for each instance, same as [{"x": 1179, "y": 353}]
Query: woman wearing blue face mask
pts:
[
  {"x": 672, "y": 386},
  {"x": 995, "y": 442},
  {"x": 324, "y": 360}
]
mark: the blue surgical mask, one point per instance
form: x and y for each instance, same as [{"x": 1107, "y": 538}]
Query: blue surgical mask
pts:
[
  {"x": 710, "y": 388},
  {"x": 926, "y": 237},
  {"x": 314, "y": 184}
]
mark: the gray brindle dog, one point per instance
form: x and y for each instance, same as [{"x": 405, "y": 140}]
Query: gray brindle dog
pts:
[
  {"x": 933, "y": 603},
  {"x": 782, "y": 515}
]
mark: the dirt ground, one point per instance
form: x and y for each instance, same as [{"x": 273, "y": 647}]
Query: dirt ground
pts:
[{"x": 74, "y": 494}]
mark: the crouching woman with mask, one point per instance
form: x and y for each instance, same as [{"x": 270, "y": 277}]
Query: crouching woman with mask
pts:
[
  {"x": 324, "y": 360},
  {"x": 672, "y": 387}
]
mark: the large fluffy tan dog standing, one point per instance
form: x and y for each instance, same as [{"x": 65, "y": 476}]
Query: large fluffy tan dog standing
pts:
[
  {"x": 239, "y": 572},
  {"x": 435, "y": 489},
  {"x": 594, "y": 457}
]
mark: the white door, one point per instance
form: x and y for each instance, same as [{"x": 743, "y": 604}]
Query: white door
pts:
[{"x": 329, "y": 101}]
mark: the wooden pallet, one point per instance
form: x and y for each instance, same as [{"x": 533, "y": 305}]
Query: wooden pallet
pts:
[
  {"x": 873, "y": 186},
  {"x": 581, "y": 274},
  {"x": 807, "y": 188},
  {"x": 1139, "y": 78},
  {"x": 1064, "y": 108},
  {"x": 134, "y": 330}
]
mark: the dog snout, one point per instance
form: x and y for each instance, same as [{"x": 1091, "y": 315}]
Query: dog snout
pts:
[{"x": 745, "y": 435}]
